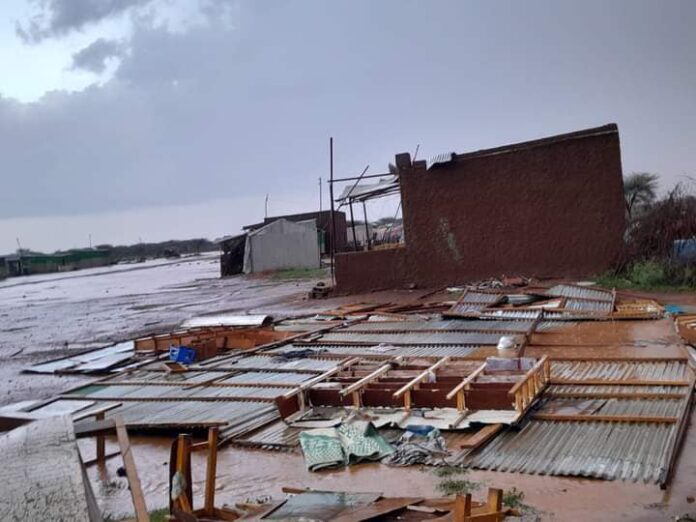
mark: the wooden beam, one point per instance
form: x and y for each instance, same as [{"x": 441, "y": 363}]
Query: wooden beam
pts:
[
  {"x": 319, "y": 378},
  {"x": 371, "y": 377},
  {"x": 604, "y": 418},
  {"x": 94, "y": 428},
  {"x": 95, "y": 412},
  {"x": 420, "y": 377},
  {"x": 482, "y": 436},
  {"x": 210, "y": 472},
  {"x": 466, "y": 381},
  {"x": 141, "y": 514},
  {"x": 538, "y": 366}
]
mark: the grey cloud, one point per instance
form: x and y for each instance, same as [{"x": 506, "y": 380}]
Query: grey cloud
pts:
[
  {"x": 223, "y": 110},
  {"x": 59, "y": 17},
  {"x": 93, "y": 58}
]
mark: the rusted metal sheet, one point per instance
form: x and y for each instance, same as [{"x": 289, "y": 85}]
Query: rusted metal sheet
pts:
[
  {"x": 414, "y": 350},
  {"x": 581, "y": 292},
  {"x": 414, "y": 337},
  {"x": 621, "y": 370},
  {"x": 603, "y": 450}
]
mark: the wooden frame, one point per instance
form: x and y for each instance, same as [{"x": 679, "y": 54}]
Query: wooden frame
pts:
[
  {"x": 462, "y": 386},
  {"x": 532, "y": 384},
  {"x": 416, "y": 381}
]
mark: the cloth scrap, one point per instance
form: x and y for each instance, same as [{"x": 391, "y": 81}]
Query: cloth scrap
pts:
[
  {"x": 417, "y": 447},
  {"x": 351, "y": 442}
]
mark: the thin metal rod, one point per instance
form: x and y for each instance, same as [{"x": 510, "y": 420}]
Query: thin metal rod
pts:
[
  {"x": 352, "y": 225},
  {"x": 367, "y": 229},
  {"x": 347, "y": 198},
  {"x": 333, "y": 217},
  {"x": 338, "y": 180}
]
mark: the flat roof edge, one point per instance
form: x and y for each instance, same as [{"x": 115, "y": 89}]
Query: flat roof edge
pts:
[{"x": 611, "y": 128}]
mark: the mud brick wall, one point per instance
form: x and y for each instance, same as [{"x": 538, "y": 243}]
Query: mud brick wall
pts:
[{"x": 546, "y": 208}]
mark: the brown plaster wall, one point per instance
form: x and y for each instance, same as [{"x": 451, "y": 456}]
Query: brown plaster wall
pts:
[
  {"x": 548, "y": 208},
  {"x": 372, "y": 270}
]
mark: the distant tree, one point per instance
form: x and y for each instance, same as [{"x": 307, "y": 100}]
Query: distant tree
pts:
[{"x": 640, "y": 191}]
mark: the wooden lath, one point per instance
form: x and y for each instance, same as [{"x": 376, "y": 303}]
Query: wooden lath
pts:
[
  {"x": 354, "y": 389},
  {"x": 405, "y": 390},
  {"x": 458, "y": 390},
  {"x": 524, "y": 392}
]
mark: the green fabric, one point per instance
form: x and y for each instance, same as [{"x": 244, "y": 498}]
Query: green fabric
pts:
[{"x": 351, "y": 442}]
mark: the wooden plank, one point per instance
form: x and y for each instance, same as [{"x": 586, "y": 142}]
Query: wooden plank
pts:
[
  {"x": 380, "y": 508},
  {"x": 420, "y": 377},
  {"x": 319, "y": 378},
  {"x": 141, "y": 514},
  {"x": 604, "y": 418},
  {"x": 481, "y": 436},
  {"x": 95, "y": 412},
  {"x": 210, "y": 472},
  {"x": 527, "y": 376},
  {"x": 466, "y": 381},
  {"x": 371, "y": 377}
]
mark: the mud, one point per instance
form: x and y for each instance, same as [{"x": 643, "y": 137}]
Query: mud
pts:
[
  {"x": 244, "y": 475},
  {"x": 39, "y": 315}
]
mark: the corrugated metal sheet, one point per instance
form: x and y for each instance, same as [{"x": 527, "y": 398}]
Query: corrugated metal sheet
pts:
[
  {"x": 267, "y": 378},
  {"x": 584, "y": 305},
  {"x": 414, "y": 337},
  {"x": 207, "y": 321},
  {"x": 149, "y": 392},
  {"x": 161, "y": 377},
  {"x": 93, "y": 361},
  {"x": 453, "y": 325},
  {"x": 582, "y": 389},
  {"x": 432, "y": 350},
  {"x": 530, "y": 315},
  {"x": 164, "y": 414},
  {"x": 603, "y": 450},
  {"x": 278, "y": 363},
  {"x": 628, "y": 407},
  {"x": 480, "y": 297},
  {"x": 580, "y": 292},
  {"x": 621, "y": 370}
]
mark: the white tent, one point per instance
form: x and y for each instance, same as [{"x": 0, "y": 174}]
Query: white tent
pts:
[{"x": 280, "y": 245}]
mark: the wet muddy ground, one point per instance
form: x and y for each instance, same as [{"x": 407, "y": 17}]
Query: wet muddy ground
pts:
[{"x": 43, "y": 317}]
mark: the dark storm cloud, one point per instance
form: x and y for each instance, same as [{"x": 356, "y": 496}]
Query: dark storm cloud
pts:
[
  {"x": 93, "y": 58},
  {"x": 242, "y": 108},
  {"x": 59, "y": 17}
]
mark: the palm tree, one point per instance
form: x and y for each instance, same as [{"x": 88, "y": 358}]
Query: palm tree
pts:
[{"x": 640, "y": 191}]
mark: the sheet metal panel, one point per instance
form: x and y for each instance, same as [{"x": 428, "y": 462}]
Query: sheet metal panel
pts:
[
  {"x": 580, "y": 292},
  {"x": 414, "y": 337},
  {"x": 432, "y": 350},
  {"x": 604, "y": 450},
  {"x": 621, "y": 370},
  {"x": 94, "y": 360},
  {"x": 164, "y": 414},
  {"x": 207, "y": 321},
  {"x": 117, "y": 392},
  {"x": 279, "y": 363},
  {"x": 626, "y": 407},
  {"x": 582, "y": 389},
  {"x": 267, "y": 378},
  {"x": 473, "y": 325},
  {"x": 584, "y": 305}
]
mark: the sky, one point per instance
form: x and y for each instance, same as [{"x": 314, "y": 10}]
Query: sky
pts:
[{"x": 145, "y": 120}]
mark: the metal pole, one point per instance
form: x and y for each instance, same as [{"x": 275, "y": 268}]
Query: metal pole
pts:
[
  {"x": 319, "y": 194},
  {"x": 352, "y": 224},
  {"x": 367, "y": 229},
  {"x": 333, "y": 218}
]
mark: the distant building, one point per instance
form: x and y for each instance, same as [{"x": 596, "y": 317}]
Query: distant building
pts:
[
  {"x": 279, "y": 245},
  {"x": 36, "y": 263},
  {"x": 323, "y": 224}
]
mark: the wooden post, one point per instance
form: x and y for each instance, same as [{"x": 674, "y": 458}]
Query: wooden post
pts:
[
  {"x": 494, "y": 504},
  {"x": 333, "y": 217},
  {"x": 141, "y": 514},
  {"x": 367, "y": 228},
  {"x": 101, "y": 443},
  {"x": 462, "y": 507},
  {"x": 209, "y": 505},
  {"x": 182, "y": 452}
]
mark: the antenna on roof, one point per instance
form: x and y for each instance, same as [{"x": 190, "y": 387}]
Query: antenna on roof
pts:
[
  {"x": 265, "y": 214},
  {"x": 415, "y": 154}
]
